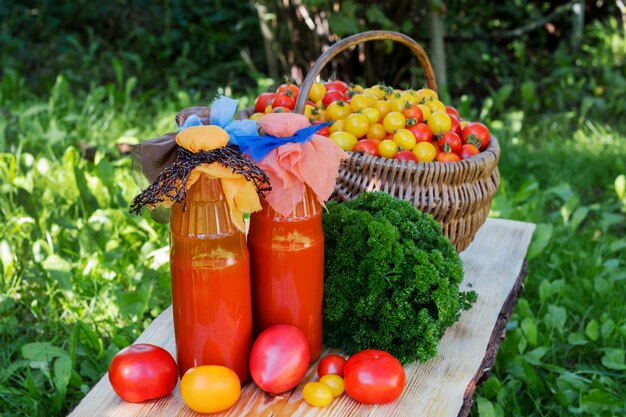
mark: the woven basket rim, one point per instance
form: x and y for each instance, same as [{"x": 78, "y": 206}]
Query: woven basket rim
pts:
[{"x": 486, "y": 158}]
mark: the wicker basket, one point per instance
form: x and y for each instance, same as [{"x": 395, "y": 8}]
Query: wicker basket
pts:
[{"x": 457, "y": 194}]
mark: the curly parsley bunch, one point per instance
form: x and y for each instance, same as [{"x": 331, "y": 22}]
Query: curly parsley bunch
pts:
[{"x": 391, "y": 278}]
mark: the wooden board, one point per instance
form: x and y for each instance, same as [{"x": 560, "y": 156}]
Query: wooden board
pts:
[{"x": 442, "y": 387}]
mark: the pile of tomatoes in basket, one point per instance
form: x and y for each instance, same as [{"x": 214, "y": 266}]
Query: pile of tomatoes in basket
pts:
[{"x": 409, "y": 125}]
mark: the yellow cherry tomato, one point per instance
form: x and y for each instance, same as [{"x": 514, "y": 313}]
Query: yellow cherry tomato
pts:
[
  {"x": 358, "y": 88},
  {"x": 376, "y": 132},
  {"x": 357, "y": 124},
  {"x": 320, "y": 115},
  {"x": 268, "y": 109},
  {"x": 426, "y": 94},
  {"x": 399, "y": 104},
  {"x": 436, "y": 106},
  {"x": 319, "y": 104},
  {"x": 317, "y": 394},
  {"x": 345, "y": 140},
  {"x": 308, "y": 111},
  {"x": 317, "y": 92},
  {"x": 358, "y": 102},
  {"x": 394, "y": 121},
  {"x": 371, "y": 100},
  {"x": 257, "y": 116},
  {"x": 379, "y": 91},
  {"x": 425, "y": 111},
  {"x": 337, "y": 126},
  {"x": 425, "y": 152},
  {"x": 383, "y": 107},
  {"x": 210, "y": 388},
  {"x": 372, "y": 115},
  {"x": 338, "y": 110},
  {"x": 405, "y": 139},
  {"x": 464, "y": 123},
  {"x": 439, "y": 123},
  {"x": 387, "y": 148},
  {"x": 410, "y": 96},
  {"x": 334, "y": 382}
]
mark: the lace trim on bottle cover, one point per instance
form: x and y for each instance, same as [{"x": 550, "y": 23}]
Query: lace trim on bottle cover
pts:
[{"x": 203, "y": 150}]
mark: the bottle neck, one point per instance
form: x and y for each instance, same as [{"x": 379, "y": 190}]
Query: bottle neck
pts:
[
  {"x": 307, "y": 208},
  {"x": 206, "y": 214}
]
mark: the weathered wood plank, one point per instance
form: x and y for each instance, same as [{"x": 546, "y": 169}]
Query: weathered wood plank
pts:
[{"x": 441, "y": 387}]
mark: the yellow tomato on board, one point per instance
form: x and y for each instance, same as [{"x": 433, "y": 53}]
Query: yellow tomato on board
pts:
[
  {"x": 210, "y": 388},
  {"x": 334, "y": 382},
  {"x": 317, "y": 394}
]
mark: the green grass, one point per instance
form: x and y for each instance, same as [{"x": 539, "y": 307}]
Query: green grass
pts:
[{"x": 81, "y": 277}]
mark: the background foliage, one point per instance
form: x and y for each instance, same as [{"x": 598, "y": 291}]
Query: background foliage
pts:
[{"x": 81, "y": 277}]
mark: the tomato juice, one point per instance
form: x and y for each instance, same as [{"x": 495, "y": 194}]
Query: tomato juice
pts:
[
  {"x": 210, "y": 271},
  {"x": 287, "y": 265}
]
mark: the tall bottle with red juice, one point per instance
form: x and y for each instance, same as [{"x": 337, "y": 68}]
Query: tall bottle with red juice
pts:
[
  {"x": 287, "y": 261},
  {"x": 210, "y": 271}
]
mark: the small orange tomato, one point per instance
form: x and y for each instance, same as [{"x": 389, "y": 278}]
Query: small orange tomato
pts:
[
  {"x": 376, "y": 132},
  {"x": 210, "y": 388}
]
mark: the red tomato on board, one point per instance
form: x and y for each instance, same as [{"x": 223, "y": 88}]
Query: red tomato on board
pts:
[
  {"x": 143, "y": 372},
  {"x": 406, "y": 156},
  {"x": 332, "y": 96},
  {"x": 452, "y": 140},
  {"x": 279, "y": 358},
  {"x": 336, "y": 85},
  {"x": 422, "y": 132},
  {"x": 477, "y": 134},
  {"x": 286, "y": 100},
  {"x": 262, "y": 101},
  {"x": 468, "y": 150},
  {"x": 373, "y": 377},
  {"x": 331, "y": 364},
  {"x": 366, "y": 146}
]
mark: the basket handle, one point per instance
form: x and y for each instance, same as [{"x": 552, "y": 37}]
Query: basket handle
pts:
[{"x": 353, "y": 40}]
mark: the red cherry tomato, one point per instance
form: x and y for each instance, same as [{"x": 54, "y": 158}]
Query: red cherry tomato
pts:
[
  {"x": 468, "y": 150},
  {"x": 406, "y": 156},
  {"x": 337, "y": 85},
  {"x": 332, "y": 96},
  {"x": 143, "y": 372},
  {"x": 285, "y": 99},
  {"x": 447, "y": 157},
  {"x": 262, "y": 101},
  {"x": 413, "y": 112},
  {"x": 374, "y": 377},
  {"x": 333, "y": 364},
  {"x": 279, "y": 358},
  {"x": 476, "y": 134},
  {"x": 452, "y": 112},
  {"x": 422, "y": 132},
  {"x": 325, "y": 131},
  {"x": 452, "y": 141},
  {"x": 289, "y": 87},
  {"x": 455, "y": 125}
]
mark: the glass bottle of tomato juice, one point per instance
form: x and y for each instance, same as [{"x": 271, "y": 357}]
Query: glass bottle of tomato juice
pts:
[
  {"x": 210, "y": 282},
  {"x": 287, "y": 261}
]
